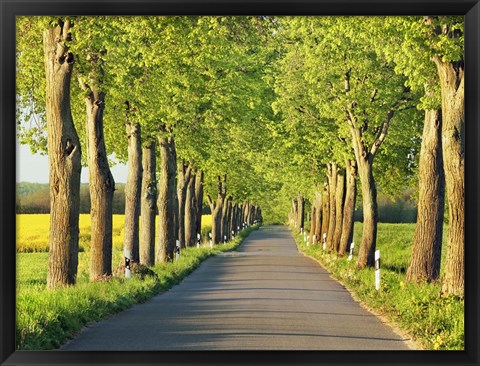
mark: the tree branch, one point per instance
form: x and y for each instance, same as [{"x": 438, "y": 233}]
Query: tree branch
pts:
[{"x": 382, "y": 134}]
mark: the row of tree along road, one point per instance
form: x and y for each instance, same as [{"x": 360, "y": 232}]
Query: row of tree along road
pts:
[{"x": 288, "y": 108}]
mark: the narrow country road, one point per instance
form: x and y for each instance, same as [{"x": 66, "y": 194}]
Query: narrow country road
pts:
[{"x": 264, "y": 296}]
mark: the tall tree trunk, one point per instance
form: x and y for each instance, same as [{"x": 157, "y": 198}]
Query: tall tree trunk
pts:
[
  {"x": 319, "y": 218},
  {"x": 349, "y": 207},
  {"x": 199, "y": 200},
  {"x": 184, "y": 172},
  {"x": 233, "y": 218},
  {"x": 228, "y": 215},
  {"x": 339, "y": 202},
  {"x": 132, "y": 191},
  {"x": 148, "y": 205},
  {"x": 332, "y": 176},
  {"x": 313, "y": 221},
  {"x": 240, "y": 216},
  {"x": 427, "y": 244},
  {"x": 366, "y": 254},
  {"x": 451, "y": 76},
  {"x": 252, "y": 215},
  {"x": 190, "y": 213},
  {"x": 64, "y": 155},
  {"x": 101, "y": 185},
  {"x": 217, "y": 207},
  {"x": 325, "y": 211},
  {"x": 248, "y": 205},
  {"x": 365, "y": 156},
  {"x": 223, "y": 221},
  {"x": 293, "y": 213},
  {"x": 301, "y": 212},
  {"x": 166, "y": 201}
]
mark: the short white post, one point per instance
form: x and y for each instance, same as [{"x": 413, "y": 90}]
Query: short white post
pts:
[
  {"x": 177, "y": 249},
  {"x": 301, "y": 230},
  {"x": 198, "y": 240},
  {"x": 224, "y": 239},
  {"x": 324, "y": 241},
  {"x": 350, "y": 256},
  {"x": 233, "y": 235},
  {"x": 127, "y": 264},
  {"x": 238, "y": 229},
  {"x": 377, "y": 270},
  {"x": 211, "y": 242}
]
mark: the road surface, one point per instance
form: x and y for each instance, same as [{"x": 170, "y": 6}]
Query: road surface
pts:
[{"x": 263, "y": 296}]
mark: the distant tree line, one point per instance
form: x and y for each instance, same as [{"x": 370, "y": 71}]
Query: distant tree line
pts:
[{"x": 34, "y": 198}]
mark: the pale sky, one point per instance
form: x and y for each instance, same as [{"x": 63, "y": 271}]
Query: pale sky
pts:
[{"x": 34, "y": 168}]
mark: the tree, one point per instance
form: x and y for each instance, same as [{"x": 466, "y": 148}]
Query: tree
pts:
[
  {"x": 446, "y": 37},
  {"x": 165, "y": 203},
  {"x": 361, "y": 97},
  {"x": 132, "y": 191},
  {"x": 101, "y": 182},
  {"x": 64, "y": 157},
  {"x": 148, "y": 204},
  {"x": 410, "y": 47},
  {"x": 349, "y": 207}
]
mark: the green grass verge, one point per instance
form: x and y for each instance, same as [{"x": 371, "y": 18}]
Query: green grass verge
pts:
[
  {"x": 434, "y": 322},
  {"x": 46, "y": 319}
]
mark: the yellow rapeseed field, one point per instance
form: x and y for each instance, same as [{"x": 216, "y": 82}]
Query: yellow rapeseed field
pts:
[{"x": 33, "y": 231}]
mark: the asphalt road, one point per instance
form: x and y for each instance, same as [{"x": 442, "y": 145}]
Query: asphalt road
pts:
[{"x": 264, "y": 296}]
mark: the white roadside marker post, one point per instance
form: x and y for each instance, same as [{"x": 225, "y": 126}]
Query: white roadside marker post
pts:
[
  {"x": 211, "y": 242},
  {"x": 350, "y": 256},
  {"x": 233, "y": 235},
  {"x": 127, "y": 264},
  {"x": 324, "y": 241},
  {"x": 377, "y": 270},
  {"x": 177, "y": 249},
  {"x": 198, "y": 240},
  {"x": 224, "y": 239}
]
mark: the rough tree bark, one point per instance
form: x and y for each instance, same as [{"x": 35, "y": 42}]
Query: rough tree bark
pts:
[
  {"x": 451, "y": 76},
  {"x": 313, "y": 221},
  {"x": 339, "y": 202},
  {"x": 148, "y": 205},
  {"x": 184, "y": 172},
  {"x": 300, "y": 212},
  {"x": 319, "y": 217},
  {"x": 366, "y": 253},
  {"x": 349, "y": 207},
  {"x": 199, "y": 200},
  {"x": 166, "y": 201},
  {"x": 427, "y": 243},
  {"x": 325, "y": 211},
  {"x": 101, "y": 185},
  {"x": 332, "y": 217},
  {"x": 190, "y": 213},
  {"x": 364, "y": 158},
  {"x": 64, "y": 159},
  {"x": 216, "y": 207},
  {"x": 223, "y": 220},
  {"x": 132, "y": 190}
]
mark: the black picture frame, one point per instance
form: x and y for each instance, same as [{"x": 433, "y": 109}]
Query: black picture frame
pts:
[{"x": 9, "y": 9}]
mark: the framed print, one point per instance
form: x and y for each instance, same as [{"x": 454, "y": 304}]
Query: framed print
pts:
[{"x": 275, "y": 111}]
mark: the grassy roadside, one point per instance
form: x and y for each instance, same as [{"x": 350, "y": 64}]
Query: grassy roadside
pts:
[
  {"x": 433, "y": 322},
  {"x": 47, "y": 319}
]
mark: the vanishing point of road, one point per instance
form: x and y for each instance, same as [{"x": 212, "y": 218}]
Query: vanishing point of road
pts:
[{"x": 263, "y": 296}]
